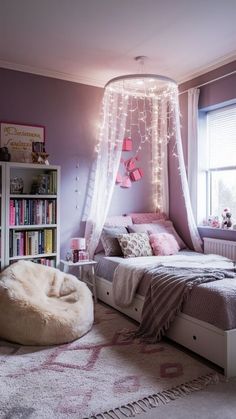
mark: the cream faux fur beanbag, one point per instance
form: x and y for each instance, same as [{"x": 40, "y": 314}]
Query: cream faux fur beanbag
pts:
[{"x": 40, "y": 305}]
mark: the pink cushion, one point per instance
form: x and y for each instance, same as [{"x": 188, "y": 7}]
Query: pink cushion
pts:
[
  {"x": 166, "y": 226},
  {"x": 163, "y": 244},
  {"x": 147, "y": 217}
]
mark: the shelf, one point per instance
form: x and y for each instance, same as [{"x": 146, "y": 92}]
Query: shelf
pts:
[
  {"x": 42, "y": 208},
  {"x": 32, "y": 226},
  {"x": 42, "y": 255},
  {"x": 33, "y": 196},
  {"x": 79, "y": 263},
  {"x": 37, "y": 166}
]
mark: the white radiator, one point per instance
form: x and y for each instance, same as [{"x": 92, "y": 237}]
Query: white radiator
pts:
[{"x": 225, "y": 248}]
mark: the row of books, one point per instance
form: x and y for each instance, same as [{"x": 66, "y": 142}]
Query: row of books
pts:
[
  {"x": 45, "y": 261},
  {"x": 42, "y": 261},
  {"x": 32, "y": 211},
  {"x": 25, "y": 243}
]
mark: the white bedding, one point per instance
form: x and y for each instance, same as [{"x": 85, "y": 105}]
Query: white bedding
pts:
[{"x": 129, "y": 272}]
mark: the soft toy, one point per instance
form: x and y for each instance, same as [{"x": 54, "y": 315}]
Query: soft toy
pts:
[
  {"x": 226, "y": 215},
  {"x": 213, "y": 221}
]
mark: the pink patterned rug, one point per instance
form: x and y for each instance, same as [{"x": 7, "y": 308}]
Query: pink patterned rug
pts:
[{"x": 101, "y": 372}]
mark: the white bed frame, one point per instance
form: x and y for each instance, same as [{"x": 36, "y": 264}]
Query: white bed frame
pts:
[{"x": 216, "y": 345}]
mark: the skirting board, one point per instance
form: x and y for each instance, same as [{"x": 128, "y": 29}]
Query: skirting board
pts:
[{"x": 212, "y": 343}]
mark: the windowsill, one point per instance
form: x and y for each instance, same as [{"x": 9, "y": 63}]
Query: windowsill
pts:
[
  {"x": 217, "y": 228},
  {"x": 217, "y": 233}
]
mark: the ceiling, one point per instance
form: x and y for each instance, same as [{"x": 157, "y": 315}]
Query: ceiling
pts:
[{"x": 92, "y": 41}]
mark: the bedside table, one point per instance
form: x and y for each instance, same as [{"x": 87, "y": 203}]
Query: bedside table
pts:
[{"x": 91, "y": 281}]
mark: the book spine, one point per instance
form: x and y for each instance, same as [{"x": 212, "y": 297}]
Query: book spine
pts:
[{"x": 11, "y": 215}]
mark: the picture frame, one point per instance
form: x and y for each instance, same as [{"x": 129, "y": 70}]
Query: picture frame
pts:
[{"x": 20, "y": 139}]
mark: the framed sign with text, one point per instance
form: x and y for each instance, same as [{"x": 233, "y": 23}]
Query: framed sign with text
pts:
[{"x": 21, "y": 140}]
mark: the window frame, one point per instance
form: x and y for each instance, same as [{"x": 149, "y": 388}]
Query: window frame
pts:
[{"x": 207, "y": 172}]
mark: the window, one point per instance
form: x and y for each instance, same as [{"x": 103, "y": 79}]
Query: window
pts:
[{"x": 218, "y": 161}]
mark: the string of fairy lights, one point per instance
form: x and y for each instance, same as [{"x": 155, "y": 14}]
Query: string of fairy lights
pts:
[{"x": 142, "y": 108}]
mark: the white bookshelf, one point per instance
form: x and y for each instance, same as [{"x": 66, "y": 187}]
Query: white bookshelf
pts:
[{"x": 28, "y": 173}]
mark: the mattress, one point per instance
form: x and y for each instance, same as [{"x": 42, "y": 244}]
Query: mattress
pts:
[{"x": 212, "y": 302}]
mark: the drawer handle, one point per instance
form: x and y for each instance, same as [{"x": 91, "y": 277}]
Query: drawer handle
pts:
[
  {"x": 108, "y": 293},
  {"x": 194, "y": 337}
]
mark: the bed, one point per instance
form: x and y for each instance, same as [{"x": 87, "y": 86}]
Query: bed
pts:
[{"x": 200, "y": 327}]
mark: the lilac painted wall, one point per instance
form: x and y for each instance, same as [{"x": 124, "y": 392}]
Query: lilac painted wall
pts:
[
  {"x": 219, "y": 91},
  {"x": 70, "y": 112}
]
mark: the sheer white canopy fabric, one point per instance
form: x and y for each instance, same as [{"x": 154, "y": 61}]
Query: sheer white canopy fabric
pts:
[
  {"x": 108, "y": 149},
  {"x": 193, "y": 97},
  {"x": 194, "y": 234},
  {"x": 145, "y": 108}
]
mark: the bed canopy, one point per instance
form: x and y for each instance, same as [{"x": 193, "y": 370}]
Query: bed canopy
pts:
[{"x": 144, "y": 107}]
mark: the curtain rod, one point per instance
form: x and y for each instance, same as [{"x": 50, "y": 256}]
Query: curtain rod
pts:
[{"x": 210, "y": 81}]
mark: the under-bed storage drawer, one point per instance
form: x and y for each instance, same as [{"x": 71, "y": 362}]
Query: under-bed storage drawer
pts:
[
  {"x": 104, "y": 293},
  {"x": 202, "y": 338}
]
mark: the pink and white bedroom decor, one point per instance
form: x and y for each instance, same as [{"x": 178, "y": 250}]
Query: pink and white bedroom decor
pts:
[{"x": 145, "y": 107}]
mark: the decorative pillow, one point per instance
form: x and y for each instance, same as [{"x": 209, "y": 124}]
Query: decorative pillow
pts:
[
  {"x": 140, "y": 228},
  {"x": 147, "y": 217},
  {"x": 163, "y": 244},
  {"x": 99, "y": 248},
  {"x": 114, "y": 221},
  {"x": 166, "y": 226},
  {"x": 118, "y": 221},
  {"x": 110, "y": 242},
  {"x": 135, "y": 244}
]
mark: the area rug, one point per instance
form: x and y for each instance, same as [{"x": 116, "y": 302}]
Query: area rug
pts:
[{"x": 102, "y": 375}]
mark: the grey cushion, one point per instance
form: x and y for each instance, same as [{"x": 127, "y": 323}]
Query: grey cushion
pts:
[{"x": 110, "y": 242}]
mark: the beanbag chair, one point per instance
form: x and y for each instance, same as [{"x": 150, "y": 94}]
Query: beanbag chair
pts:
[{"x": 40, "y": 305}]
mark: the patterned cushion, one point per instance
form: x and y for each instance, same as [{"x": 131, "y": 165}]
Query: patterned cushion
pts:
[
  {"x": 135, "y": 244},
  {"x": 147, "y": 217},
  {"x": 110, "y": 242}
]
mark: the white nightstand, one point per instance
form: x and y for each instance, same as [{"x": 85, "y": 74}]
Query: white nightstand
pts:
[{"x": 91, "y": 281}]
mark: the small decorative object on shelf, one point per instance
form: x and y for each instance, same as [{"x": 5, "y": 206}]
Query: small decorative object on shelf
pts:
[
  {"x": 44, "y": 184},
  {"x": 16, "y": 185},
  {"x": 68, "y": 256},
  {"x": 40, "y": 158},
  {"x": 4, "y": 154},
  {"x": 213, "y": 221},
  {"x": 39, "y": 154},
  {"x": 226, "y": 218},
  {"x": 78, "y": 249}
]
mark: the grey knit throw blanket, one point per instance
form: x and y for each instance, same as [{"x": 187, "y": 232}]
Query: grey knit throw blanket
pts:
[{"x": 168, "y": 288}]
